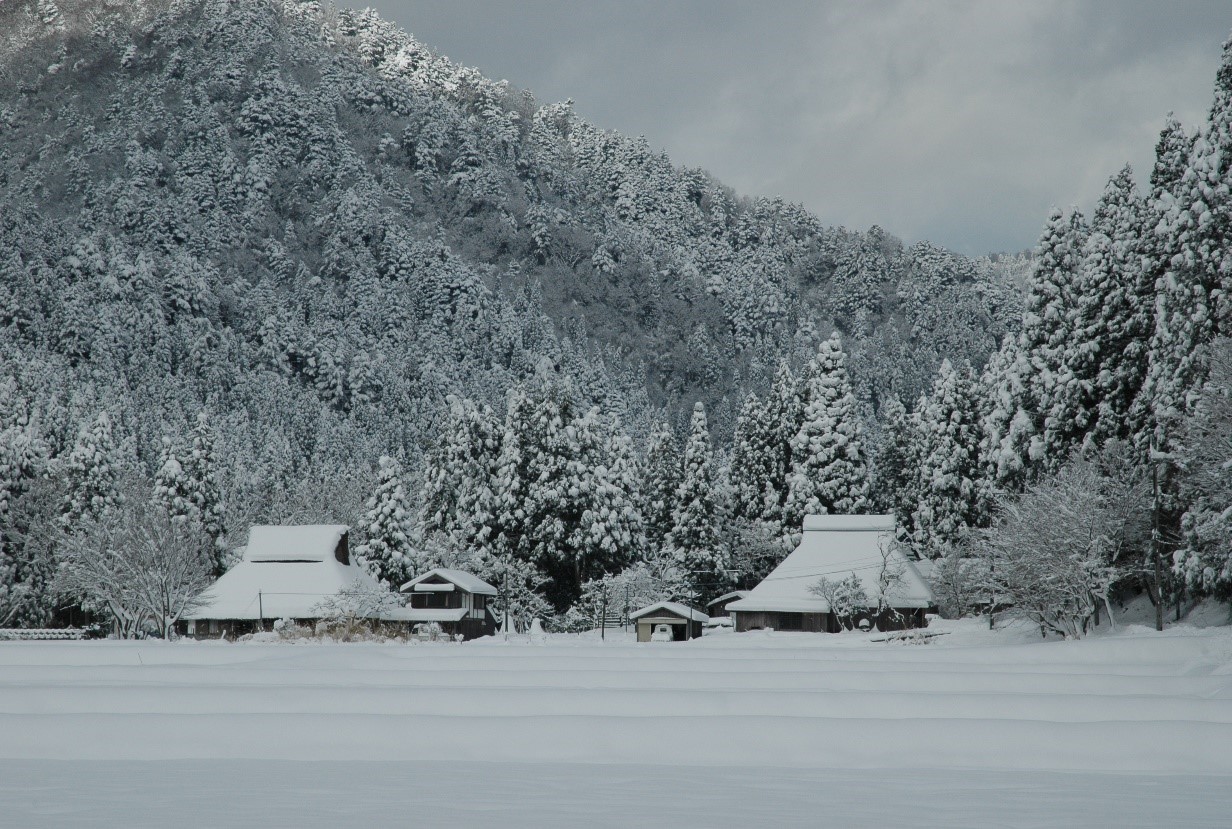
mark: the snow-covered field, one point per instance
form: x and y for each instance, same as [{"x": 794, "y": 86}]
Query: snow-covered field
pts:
[{"x": 974, "y": 729}]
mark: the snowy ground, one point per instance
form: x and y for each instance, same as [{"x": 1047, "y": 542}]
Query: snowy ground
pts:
[{"x": 974, "y": 729}]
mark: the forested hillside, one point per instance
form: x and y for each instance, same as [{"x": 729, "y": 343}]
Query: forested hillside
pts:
[{"x": 283, "y": 263}]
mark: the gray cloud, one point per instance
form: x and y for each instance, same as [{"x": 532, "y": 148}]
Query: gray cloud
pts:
[{"x": 959, "y": 122}]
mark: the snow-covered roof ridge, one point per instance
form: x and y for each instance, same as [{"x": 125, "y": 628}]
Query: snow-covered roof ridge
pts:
[
  {"x": 294, "y": 542},
  {"x": 835, "y": 547},
  {"x": 682, "y": 610},
  {"x": 467, "y": 581},
  {"x": 849, "y": 523}
]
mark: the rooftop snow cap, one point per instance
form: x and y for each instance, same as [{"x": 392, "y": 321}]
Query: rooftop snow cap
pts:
[
  {"x": 304, "y": 542},
  {"x": 849, "y": 523},
  {"x": 464, "y": 580},
  {"x": 675, "y": 608}
]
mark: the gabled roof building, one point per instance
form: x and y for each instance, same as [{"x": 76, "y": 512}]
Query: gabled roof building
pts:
[
  {"x": 679, "y": 620},
  {"x": 285, "y": 572},
  {"x": 456, "y": 600},
  {"x": 835, "y": 547}
]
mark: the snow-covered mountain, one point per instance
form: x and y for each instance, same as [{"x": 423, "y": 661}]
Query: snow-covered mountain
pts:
[{"x": 307, "y": 219}]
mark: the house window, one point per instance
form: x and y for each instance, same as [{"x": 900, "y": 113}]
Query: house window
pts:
[{"x": 436, "y": 601}]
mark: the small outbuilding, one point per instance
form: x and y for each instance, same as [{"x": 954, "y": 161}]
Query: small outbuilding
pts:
[
  {"x": 456, "y": 600},
  {"x": 717, "y": 608},
  {"x": 285, "y": 573},
  {"x": 836, "y": 547},
  {"x": 679, "y": 620}
]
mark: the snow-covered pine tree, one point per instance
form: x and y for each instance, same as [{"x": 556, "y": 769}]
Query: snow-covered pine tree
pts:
[
  {"x": 201, "y": 466},
  {"x": 386, "y": 527},
  {"x": 1122, "y": 319},
  {"x": 23, "y": 454},
  {"x": 1104, "y": 360},
  {"x": 1205, "y": 558},
  {"x": 172, "y": 487},
  {"x": 784, "y": 413},
  {"x": 91, "y": 473},
  {"x": 1172, "y": 153},
  {"x": 1048, "y": 328},
  {"x": 661, "y": 474},
  {"x": 950, "y": 488},
  {"x": 509, "y": 483},
  {"x": 898, "y": 458},
  {"x": 1007, "y": 430},
  {"x": 456, "y": 497},
  {"x": 750, "y": 471},
  {"x": 186, "y": 487},
  {"x": 829, "y": 474},
  {"x": 552, "y": 489},
  {"x": 695, "y": 539},
  {"x": 1194, "y": 302},
  {"x": 26, "y": 561},
  {"x": 609, "y": 534}
]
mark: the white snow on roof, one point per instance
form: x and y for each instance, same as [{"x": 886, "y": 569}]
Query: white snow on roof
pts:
[
  {"x": 849, "y": 523},
  {"x": 834, "y": 547},
  {"x": 467, "y": 581},
  {"x": 305, "y": 542},
  {"x": 684, "y": 611},
  {"x": 427, "y": 614},
  {"x": 285, "y": 573},
  {"x": 735, "y": 594}
]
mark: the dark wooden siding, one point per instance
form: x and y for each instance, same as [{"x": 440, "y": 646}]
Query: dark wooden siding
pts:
[{"x": 825, "y": 622}]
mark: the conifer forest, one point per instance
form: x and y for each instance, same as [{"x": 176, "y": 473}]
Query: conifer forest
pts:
[{"x": 277, "y": 262}]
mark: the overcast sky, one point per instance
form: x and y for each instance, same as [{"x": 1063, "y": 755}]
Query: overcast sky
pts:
[{"x": 958, "y": 122}]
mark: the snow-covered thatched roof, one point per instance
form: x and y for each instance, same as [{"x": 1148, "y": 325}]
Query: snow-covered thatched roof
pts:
[
  {"x": 675, "y": 608},
  {"x": 460, "y": 578},
  {"x": 285, "y": 573},
  {"x": 834, "y": 547}
]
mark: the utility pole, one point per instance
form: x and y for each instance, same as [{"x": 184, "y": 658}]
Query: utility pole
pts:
[
  {"x": 603, "y": 618},
  {"x": 506, "y": 621},
  {"x": 260, "y": 610},
  {"x": 1159, "y": 587}
]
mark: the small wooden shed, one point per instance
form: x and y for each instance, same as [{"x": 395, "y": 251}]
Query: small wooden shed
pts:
[
  {"x": 684, "y": 622},
  {"x": 718, "y": 607}
]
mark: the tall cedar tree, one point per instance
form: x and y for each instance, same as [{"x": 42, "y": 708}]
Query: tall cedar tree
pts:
[
  {"x": 1048, "y": 329},
  {"x": 457, "y": 490},
  {"x": 662, "y": 472},
  {"x": 828, "y": 472},
  {"x": 1108, "y": 356},
  {"x": 92, "y": 473},
  {"x": 1194, "y": 304},
  {"x": 950, "y": 489},
  {"x": 386, "y": 527},
  {"x": 695, "y": 540},
  {"x": 898, "y": 459}
]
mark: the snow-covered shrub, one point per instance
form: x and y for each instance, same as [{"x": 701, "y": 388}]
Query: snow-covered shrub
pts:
[
  {"x": 354, "y": 610},
  {"x": 846, "y": 597},
  {"x": 1061, "y": 548}
]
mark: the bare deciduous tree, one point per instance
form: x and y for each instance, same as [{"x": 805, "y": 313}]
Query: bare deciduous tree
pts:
[{"x": 137, "y": 564}]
